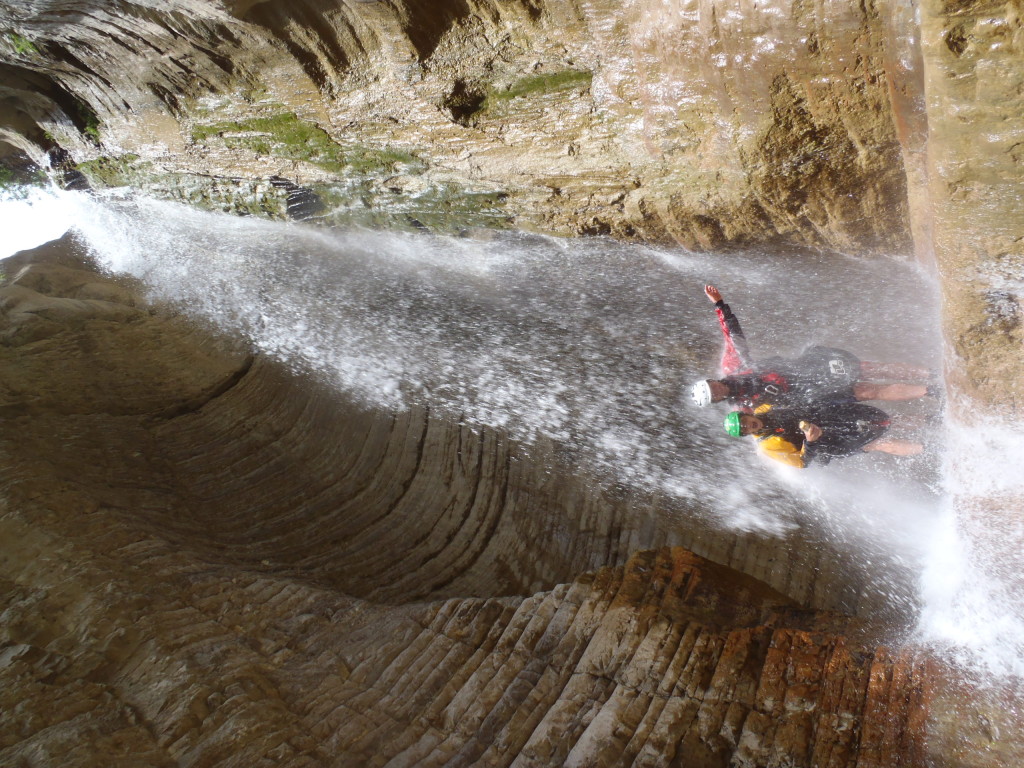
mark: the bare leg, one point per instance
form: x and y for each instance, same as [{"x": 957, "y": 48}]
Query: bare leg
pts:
[
  {"x": 894, "y": 371},
  {"x": 895, "y": 447},
  {"x": 864, "y": 390}
]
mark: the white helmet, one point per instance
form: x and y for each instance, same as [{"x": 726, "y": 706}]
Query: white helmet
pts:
[{"x": 701, "y": 393}]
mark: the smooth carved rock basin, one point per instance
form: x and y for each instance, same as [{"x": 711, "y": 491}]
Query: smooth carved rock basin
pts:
[{"x": 210, "y": 561}]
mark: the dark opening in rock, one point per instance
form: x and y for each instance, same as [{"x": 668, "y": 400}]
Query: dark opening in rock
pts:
[{"x": 463, "y": 102}]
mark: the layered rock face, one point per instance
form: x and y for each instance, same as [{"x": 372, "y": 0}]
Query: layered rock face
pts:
[
  {"x": 668, "y": 121},
  {"x": 208, "y": 561},
  {"x": 975, "y": 53}
]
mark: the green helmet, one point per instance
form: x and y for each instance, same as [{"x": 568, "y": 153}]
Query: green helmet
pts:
[{"x": 732, "y": 423}]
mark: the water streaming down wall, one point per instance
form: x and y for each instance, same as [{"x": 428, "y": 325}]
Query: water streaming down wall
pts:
[
  {"x": 590, "y": 344},
  {"x": 971, "y": 581}
]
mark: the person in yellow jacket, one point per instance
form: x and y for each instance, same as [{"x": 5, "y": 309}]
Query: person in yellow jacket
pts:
[{"x": 818, "y": 433}]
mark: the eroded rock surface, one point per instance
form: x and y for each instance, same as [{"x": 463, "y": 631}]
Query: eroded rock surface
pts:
[
  {"x": 389, "y": 507},
  {"x": 855, "y": 127},
  {"x": 708, "y": 124},
  {"x": 976, "y": 51}
]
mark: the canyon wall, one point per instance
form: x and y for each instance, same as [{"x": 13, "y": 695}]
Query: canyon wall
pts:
[
  {"x": 706, "y": 124},
  {"x": 161, "y": 584},
  {"x": 973, "y": 53}
]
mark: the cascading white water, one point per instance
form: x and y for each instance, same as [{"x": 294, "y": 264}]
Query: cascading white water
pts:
[
  {"x": 973, "y": 576},
  {"x": 31, "y": 216},
  {"x": 592, "y": 344}
]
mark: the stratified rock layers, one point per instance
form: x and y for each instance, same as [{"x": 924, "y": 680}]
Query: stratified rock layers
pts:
[
  {"x": 205, "y": 565},
  {"x": 850, "y": 126},
  {"x": 147, "y": 655},
  {"x": 976, "y": 52},
  {"x": 393, "y": 508},
  {"x": 705, "y": 124}
]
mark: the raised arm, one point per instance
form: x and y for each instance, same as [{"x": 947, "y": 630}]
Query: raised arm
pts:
[{"x": 736, "y": 355}]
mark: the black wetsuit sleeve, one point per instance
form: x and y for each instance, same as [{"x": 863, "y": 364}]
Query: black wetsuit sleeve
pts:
[{"x": 812, "y": 453}]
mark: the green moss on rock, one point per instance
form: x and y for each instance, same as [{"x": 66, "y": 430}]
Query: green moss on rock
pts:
[
  {"x": 16, "y": 182},
  {"x": 537, "y": 85},
  {"x": 22, "y": 45},
  {"x": 287, "y": 136},
  {"x": 439, "y": 208},
  {"x": 365, "y": 197},
  {"x": 121, "y": 171}
]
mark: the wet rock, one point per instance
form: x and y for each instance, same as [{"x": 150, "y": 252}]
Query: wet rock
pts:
[
  {"x": 68, "y": 176},
  {"x": 805, "y": 146},
  {"x": 851, "y": 126}
]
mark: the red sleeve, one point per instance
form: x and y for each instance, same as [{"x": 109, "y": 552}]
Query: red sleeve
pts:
[{"x": 736, "y": 354}]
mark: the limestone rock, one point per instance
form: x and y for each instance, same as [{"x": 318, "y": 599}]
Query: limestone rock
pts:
[
  {"x": 134, "y": 479},
  {"x": 590, "y": 119},
  {"x": 711, "y": 125}
]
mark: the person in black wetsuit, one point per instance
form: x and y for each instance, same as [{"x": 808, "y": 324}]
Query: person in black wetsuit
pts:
[
  {"x": 797, "y": 436},
  {"x": 820, "y": 373}
]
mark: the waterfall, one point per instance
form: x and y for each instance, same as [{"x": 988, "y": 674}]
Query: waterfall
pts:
[
  {"x": 31, "y": 216},
  {"x": 592, "y": 344}
]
